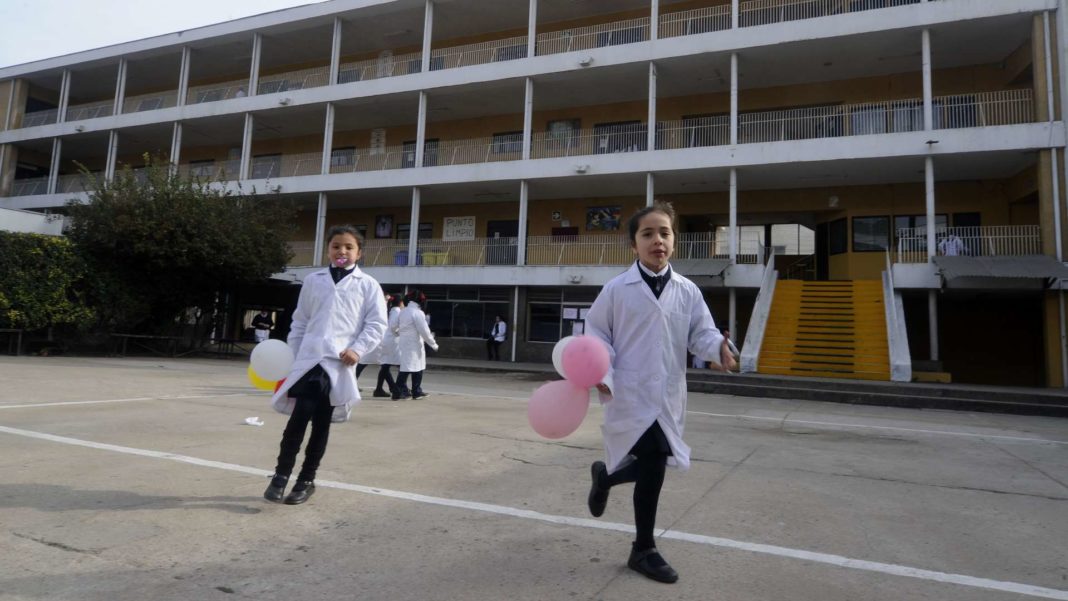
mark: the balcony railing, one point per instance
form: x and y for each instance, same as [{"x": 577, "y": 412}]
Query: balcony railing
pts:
[
  {"x": 764, "y": 12},
  {"x": 494, "y": 51},
  {"x": 593, "y": 36},
  {"x": 40, "y": 118},
  {"x": 690, "y": 22},
  {"x": 75, "y": 182},
  {"x": 372, "y": 159},
  {"x": 211, "y": 170},
  {"x": 379, "y": 68},
  {"x": 150, "y": 102},
  {"x": 31, "y": 186},
  {"x": 624, "y": 138},
  {"x": 90, "y": 110},
  {"x": 694, "y": 132},
  {"x": 217, "y": 91},
  {"x": 293, "y": 80},
  {"x": 477, "y": 150},
  {"x": 378, "y": 253},
  {"x": 978, "y": 241},
  {"x": 1007, "y": 107}
]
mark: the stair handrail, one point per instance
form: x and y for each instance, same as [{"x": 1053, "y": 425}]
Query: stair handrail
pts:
[
  {"x": 897, "y": 336},
  {"x": 758, "y": 321}
]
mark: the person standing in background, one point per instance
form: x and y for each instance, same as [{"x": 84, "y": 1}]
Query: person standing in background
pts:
[
  {"x": 262, "y": 324},
  {"x": 496, "y": 337}
]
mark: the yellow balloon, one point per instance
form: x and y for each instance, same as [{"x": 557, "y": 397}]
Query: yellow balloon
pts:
[{"x": 259, "y": 382}]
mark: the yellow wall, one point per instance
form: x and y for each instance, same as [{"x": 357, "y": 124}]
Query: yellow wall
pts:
[{"x": 1052, "y": 339}]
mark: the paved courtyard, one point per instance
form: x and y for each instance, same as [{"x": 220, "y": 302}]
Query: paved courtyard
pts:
[{"x": 138, "y": 479}]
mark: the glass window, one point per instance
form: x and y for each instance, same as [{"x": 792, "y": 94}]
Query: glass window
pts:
[
  {"x": 544, "y": 322},
  {"x": 871, "y": 233},
  {"x": 508, "y": 142},
  {"x": 464, "y": 319},
  {"x": 839, "y": 237},
  {"x": 426, "y": 231}
]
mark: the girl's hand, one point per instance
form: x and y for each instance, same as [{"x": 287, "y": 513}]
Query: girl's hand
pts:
[
  {"x": 603, "y": 389},
  {"x": 349, "y": 357},
  {"x": 726, "y": 357}
]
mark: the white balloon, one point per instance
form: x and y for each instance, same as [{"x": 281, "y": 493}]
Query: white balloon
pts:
[
  {"x": 272, "y": 360},
  {"x": 558, "y": 354}
]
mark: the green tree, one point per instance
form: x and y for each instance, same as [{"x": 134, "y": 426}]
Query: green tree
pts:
[
  {"x": 39, "y": 279},
  {"x": 158, "y": 244}
]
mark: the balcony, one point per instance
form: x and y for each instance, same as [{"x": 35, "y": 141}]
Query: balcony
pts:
[
  {"x": 765, "y": 12},
  {"x": 150, "y": 102},
  {"x": 36, "y": 118},
  {"x": 90, "y": 110},
  {"x": 380, "y": 68},
  {"x": 494, "y": 51},
  {"x": 980, "y": 241},
  {"x": 690, "y": 22},
  {"x": 31, "y": 186},
  {"x": 218, "y": 91},
  {"x": 372, "y": 159},
  {"x": 594, "y": 36},
  {"x": 211, "y": 170},
  {"x": 293, "y": 80}
]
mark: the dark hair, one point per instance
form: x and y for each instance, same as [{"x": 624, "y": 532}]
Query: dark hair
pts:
[
  {"x": 393, "y": 300},
  {"x": 338, "y": 230},
  {"x": 663, "y": 207},
  {"x": 415, "y": 295}
]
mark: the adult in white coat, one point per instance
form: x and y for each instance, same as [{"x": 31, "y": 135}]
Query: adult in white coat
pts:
[
  {"x": 648, "y": 317},
  {"x": 412, "y": 334},
  {"x": 340, "y": 316}
]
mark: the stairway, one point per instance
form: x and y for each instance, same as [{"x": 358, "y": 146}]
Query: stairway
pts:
[{"x": 826, "y": 330}]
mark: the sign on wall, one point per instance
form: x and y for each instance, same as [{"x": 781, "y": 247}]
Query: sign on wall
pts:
[{"x": 459, "y": 228}]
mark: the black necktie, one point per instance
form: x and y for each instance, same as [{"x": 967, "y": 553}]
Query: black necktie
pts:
[{"x": 661, "y": 281}]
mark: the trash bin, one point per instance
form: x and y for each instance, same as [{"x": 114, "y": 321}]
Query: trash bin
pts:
[{"x": 400, "y": 257}]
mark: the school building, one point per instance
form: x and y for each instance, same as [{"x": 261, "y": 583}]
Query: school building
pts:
[{"x": 866, "y": 188}]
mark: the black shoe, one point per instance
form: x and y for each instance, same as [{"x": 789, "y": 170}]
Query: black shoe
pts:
[
  {"x": 419, "y": 394},
  {"x": 300, "y": 493},
  {"x": 401, "y": 395},
  {"x": 276, "y": 488},
  {"x": 379, "y": 393},
  {"x": 650, "y": 564},
  {"x": 598, "y": 489}
]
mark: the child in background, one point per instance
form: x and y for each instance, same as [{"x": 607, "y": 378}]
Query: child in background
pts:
[
  {"x": 648, "y": 316},
  {"x": 412, "y": 333},
  {"x": 340, "y": 316},
  {"x": 384, "y": 355}
]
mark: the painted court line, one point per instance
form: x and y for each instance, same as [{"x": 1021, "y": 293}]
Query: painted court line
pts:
[
  {"x": 800, "y": 554},
  {"x": 889, "y": 428},
  {"x": 144, "y": 398}
]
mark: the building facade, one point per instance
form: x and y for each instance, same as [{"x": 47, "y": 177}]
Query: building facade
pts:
[{"x": 493, "y": 157}]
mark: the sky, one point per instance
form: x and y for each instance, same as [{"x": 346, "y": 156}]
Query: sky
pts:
[{"x": 39, "y": 29}]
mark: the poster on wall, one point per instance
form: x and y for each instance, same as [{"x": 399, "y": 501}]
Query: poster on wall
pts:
[
  {"x": 459, "y": 228},
  {"x": 384, "y": 226},
  {"x": 602, "y": 219}
]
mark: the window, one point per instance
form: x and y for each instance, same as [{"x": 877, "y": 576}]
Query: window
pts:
[
  {"x": 544, "y": 322},
  {"x": 629, "y": 35},
  {"x": 426, "y": 231},
  {"x": 508, "y": 53},
  {"x": 342, "y": 157},
  {"x": 622, "y": 136},
  {"x": 871, "y": 234},
  {"x": 266, "y": 166},
  {"x": 702, "y": 130},
  {"x": 430, "y": 153},
  {"x": 839, "y": 237},
  {"x": 508, "y": 142},
  {"x": 466, "y": 312},
  {"x": 348, "y": 75}
]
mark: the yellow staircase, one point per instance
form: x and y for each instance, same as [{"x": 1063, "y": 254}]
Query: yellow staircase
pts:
[{"x": 827, "y": 330}]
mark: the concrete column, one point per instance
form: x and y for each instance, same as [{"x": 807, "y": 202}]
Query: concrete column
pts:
[
  {"x": 528, "y": 115},
  {"x": 532, "y": 47},
  {"x": 254, "y": 64},
  {"x": 932, "y": 321},
  {"x": 183, "y": 76},
  {"x": 335, "y": 52},
  {"x": 1048, "y": 83},
  {"x": 732, "y": 236},
  {"x": 53, "y": 169},
  {"x": 428, "y": 34},
  {"x": 328, "y": 138},
  {"x": 413, "y": 230},
  {"x": 734, "y": 99},
  {"x": 64, "y": 96},
  {"x": 650, "y": 189},
  {"x": 515, "y": 320},
  {"x": 246, "y": 148},
  {"x": 113, "y": 156},
  {"x": 6, "y": 125},
  {"x": 320, "y": 231},
  {"x": 651, "y": 128},
  {"x": 735, "y": 16},
  {"x": 732, "y": 314},
  {"x": 654, "y": 20},
  {"x": 929, "y": 186},
  {"x": 176, "y": 145},
  {"x": 420, "y": 130},
  {"x": 120, "y": 87},
  {"x": 928, "y": 106},
  {"x": 524, "y": 214}
]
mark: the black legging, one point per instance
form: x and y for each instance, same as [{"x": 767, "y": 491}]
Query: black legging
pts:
[
  {"x": 313, "y": 406},
  {"x": 384, "y": 376},
  {"x": 417, "y": 381},
  {"x": 647, "y": 473}
]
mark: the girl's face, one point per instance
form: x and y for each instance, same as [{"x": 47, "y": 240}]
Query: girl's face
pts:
[
  {"x": 344, "y": 250},
  {"x": 655, "y": 241}
]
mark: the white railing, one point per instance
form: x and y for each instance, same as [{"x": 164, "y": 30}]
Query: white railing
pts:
[
  {"x": 303, "y": 253},
  {"x": 293, "y": 80},
  {"x": 1007, "y": 107},
  {"x": 897, "y": 337},
  {"x": 91, "y": 110},
  {"x": 378, "y": 253},
  {"x": 758, "y": 320},
  {"x": 150, "y": 102},
  {"x": 75, "y": 182},
  {"x": 693, "y": 133},
  {"x": 699, "y": 20},
  {"x": 478, "y": 251},
  {"x": 379, "y": 68},
  {"x": 593, "y": 36},
  {"x": 368, "y": 159},
  {"x": 32, "y": 186},
  {"x": 629, "y": 138},
  {"x": 494, "y": 51},
  {"x": 978, "y": 241},
  {"x": 764, "y": 12},
  {"x": 237, "y": 88},
  {"x": 40, "y": 118},
  {"x": 293, "y": 165},
  {"x": 477, "y": 150},
  {"x": 709, "y": 245},
  {"x": 214, "y": 170},
  {"x": 609, "y": 249}
]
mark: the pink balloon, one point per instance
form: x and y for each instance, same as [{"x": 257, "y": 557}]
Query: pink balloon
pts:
[
  {"x": 585, "y": 361},
  {"x": 557, "y": 409}
]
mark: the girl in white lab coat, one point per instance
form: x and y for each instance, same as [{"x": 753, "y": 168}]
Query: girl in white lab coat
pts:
[
  {"x": 386, "y": 354},
  {"x": 648, "y": 316},
  {"x": 412, "y": 333},
  {"x": 340, "y": 316}
]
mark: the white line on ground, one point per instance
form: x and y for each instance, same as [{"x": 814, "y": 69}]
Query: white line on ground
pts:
[
  {"x": 801, "y": 554},
  {"x": 144, "y": 398}
]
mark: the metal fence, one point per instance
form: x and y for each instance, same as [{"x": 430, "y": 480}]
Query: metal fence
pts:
[
  {"x": 690, "y": 22},
  {"x": 593, "y": 36},
  {"x": 494, "y": 51},
  {"x": 379, "y": 68},
  {"x": 371, "y": 159},
  {"x": 978, "y": 241},
  {"x": 765, "y": 12}
]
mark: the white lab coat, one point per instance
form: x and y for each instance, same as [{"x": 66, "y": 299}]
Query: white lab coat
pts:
[
  {"x": 647, "y": 340},
  {"x": 330, "y": 318},
  {"x": 412, "y": 331},
  {"x": 385, "y": 350}
]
